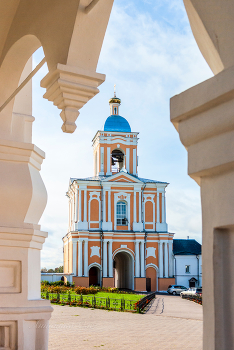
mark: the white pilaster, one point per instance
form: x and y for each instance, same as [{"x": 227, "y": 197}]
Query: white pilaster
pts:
[
  {"x": 140, "y": 220},
  {"x": 80, "y": 220},
  {"x": 108, "y": 162},
  {"x": 134, "y": 162},
  {"x": 74, "y": 255},
  {"x": 109, "y": 206},
  {"x": 102, "y": 161},
  {"x": 104, "y": 206},
  {"x": 86, "y": 270},
  {"x": 104, "y": 258},
  {"x": 163, "y": 208},
  {"x": 80, "y": 267},
  {"x": 137, "y": 260},
  {"x": 158, "y": 208},
  {"x": 142, "y": 259},
  {"x": 127, "y": 157},
  {"x": 134, "y": 207},
  {"x": 85, "y": 205},
  {"x": 110, "y": 259},
  {"x": 160, "y": 259},
  {"x": 76, "y": 205},
  {"x": 166, "y": 259},
  {"x": 171, "y": 260}
]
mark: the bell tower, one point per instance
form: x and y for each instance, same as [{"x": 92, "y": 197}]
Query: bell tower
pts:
[{"x": 115, "y": 148}]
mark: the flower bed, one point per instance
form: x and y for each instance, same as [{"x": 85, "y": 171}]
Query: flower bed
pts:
[{"x": 197, "y": 298}]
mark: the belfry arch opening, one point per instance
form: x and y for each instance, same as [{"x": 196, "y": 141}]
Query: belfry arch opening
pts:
[
  {"x": 123, "y": 270},
  {"x": 117, "y": 160}
]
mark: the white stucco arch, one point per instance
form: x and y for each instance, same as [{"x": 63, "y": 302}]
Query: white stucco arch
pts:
[{"x": 124, "y": 270}]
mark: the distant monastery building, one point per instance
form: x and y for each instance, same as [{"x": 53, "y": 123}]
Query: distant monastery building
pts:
[{"x": 118, "y": 235}]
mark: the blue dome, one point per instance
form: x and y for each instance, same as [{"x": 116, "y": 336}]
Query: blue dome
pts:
[{"x": 117, "y": 123}]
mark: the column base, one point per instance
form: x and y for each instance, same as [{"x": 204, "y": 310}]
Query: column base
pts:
[
  {"x": 107, "y": 226},
  {"x": 163, "y": 283},
  {"x": 25, "y": 328},
  {"x": 108, "y": 282},
  {"x": 81, "y": 281},
  {"x": 140, "y": 284},
  {"x": 161, "y": 227},
  {"x": 138, "y": 226},
  {"x": 81, "y": 226}
]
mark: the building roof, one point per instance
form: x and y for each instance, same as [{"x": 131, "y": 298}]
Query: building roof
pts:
[
  {"x": 117, "y": 123},
  {"x": 186, "y": 247},
  {"x": 104, "y": 177}
]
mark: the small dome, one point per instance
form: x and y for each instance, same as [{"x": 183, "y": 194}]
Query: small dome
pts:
[
  {"x": 117, "y": 123},
  {"x": 115, "y": 100}
]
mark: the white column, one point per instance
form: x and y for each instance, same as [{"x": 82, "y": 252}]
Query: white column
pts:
[
  {"x": 110, "y": 260},
  {"x": 134, "y": 161},
  {"x": 163, "y": 207},
  {"x": 102, "y": 161},
  {"x": 69, "y": 216},
  {"x": 160, "y": 259},
  {"x": 80, "y": 206},
  {"x": 80, "y": 267},
  {"x": 127, "y": 159},
  {"x": 85, "y": 205},
  {"x": 108, "y": 161},
  {"x": 76, "y": 205},
  {"x": 104, "y": 258},
  {"x": 171, "y": 260},
  {"x": 109, "y": 206},
  {"x": 86, "y": 274},
  {"x": 142, "y": 259},
  {"x": 158, "y": 208},
  {"x": 140, "y": 206},
  {"x": 134, "y": 208},
  {"x": 166, "y": 258},
  {"x": 137, "y": 260},
  {"x": 104, "y": 206},
  {"x": 74, "y": 255}
]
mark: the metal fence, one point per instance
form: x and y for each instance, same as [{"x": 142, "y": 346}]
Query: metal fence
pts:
[
  {"x": 91, "y": 301},
  {"x": 144, "y": 302}
]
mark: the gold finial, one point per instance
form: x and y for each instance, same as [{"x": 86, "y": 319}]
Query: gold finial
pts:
[{"x": 115, "y": 90}]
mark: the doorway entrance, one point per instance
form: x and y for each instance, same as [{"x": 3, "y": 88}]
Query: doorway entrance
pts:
[
  {"x": 94, "y": 276},
  {"x": 123, "y": 269}
]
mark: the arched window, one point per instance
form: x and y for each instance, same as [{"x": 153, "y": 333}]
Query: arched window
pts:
[
  {"x": 115, "y": 110},
  {"x": 121, "y": 213}
]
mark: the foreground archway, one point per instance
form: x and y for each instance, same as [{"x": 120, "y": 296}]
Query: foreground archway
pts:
[{"x": 124, "y": 270}]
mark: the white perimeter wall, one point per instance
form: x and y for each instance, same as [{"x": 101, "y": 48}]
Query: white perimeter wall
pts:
[
  {"x": 182, "y": 278},
  {"x": 54, "y": 277}
]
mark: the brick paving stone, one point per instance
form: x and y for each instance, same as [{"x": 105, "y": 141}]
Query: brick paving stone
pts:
[{"x": 174, "y": 324}]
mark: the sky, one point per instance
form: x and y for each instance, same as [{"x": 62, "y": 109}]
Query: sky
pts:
[{"x": 150, "y": 54}]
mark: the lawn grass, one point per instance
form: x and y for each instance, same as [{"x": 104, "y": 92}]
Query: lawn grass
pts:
[{"x": 102, "y": 298}]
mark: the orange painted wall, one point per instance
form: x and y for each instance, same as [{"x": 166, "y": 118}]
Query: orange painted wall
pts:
[
  {"x": 148, "y": 212},
  {"x": 163, "y": 283},
  {"x": 94, "y": 208},
  {"x": 122, "y": 228},
  {"x": 140, "y": 284}
]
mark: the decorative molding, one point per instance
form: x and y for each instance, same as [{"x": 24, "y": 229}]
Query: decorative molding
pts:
[
  {"x": 95, "y": 251},
  {"x": 150, "y": 252},
  {"x": 10, "y": 276},
  {"x": 70, "y": 88},
  {"x": 152, "y": 265}
]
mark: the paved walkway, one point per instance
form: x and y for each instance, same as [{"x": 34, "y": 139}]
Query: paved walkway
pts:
[{"x": 171, "y": 323}]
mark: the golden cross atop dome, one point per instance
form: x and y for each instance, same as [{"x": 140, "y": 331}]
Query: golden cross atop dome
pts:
[{"x": 115, "y": 90}]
